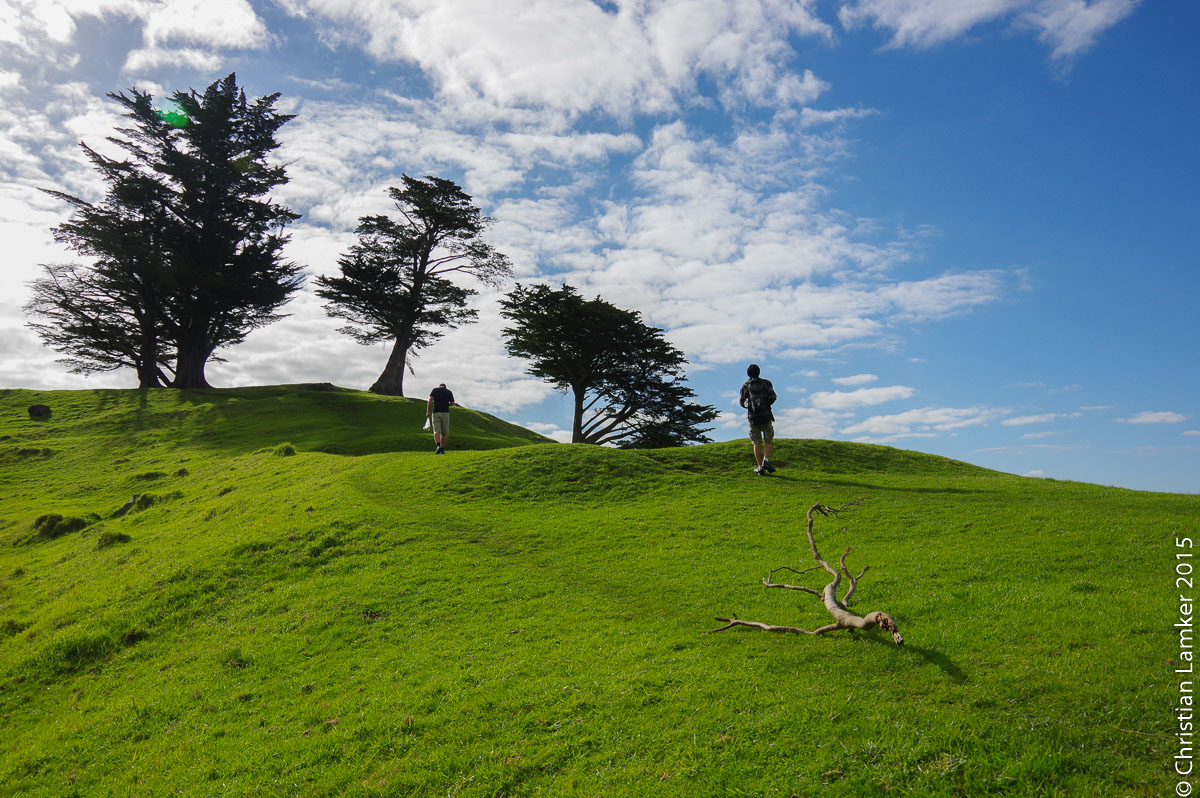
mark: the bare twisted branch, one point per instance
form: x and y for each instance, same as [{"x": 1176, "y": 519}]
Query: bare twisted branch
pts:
[{"x": 843, "y": 618}]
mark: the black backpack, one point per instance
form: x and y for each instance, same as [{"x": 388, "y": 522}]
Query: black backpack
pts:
[{"x": 758, "y": 397}]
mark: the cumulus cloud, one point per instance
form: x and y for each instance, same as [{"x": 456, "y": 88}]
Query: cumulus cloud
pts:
[
  {"x": 229, "y": 24},
  {"x": 921, "y": 422},
  {"x": 863, "y": 397},
  {"x": 804, "y": 422},
  {"x": 188, "y": 29},
  {"x": 857, "y": 379},
  {"x": 575, "y": 56},
  {"x": 1155, "y": 417}
]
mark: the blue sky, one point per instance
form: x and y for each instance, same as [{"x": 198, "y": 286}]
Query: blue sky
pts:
[{"x": 967, "y": 227}]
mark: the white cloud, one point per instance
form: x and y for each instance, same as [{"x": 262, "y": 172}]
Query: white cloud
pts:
[
  {"x": 1155, "y": 417},
  {"x": 924, "y": 23},
  {"x": 1044, "y": 418},
  {"x": 804, "y": 422},
  {"x": 32, "y": 26},
  {"x": 1037, "y": 472},
  {"x": 1068, "y": 26},
  {"x": 147, "y": 59},
  {"x": 1072, "y": 26},
  {"x": 549, "y": 430},
  {"x": 863, "y": 397},
  {"x": 1192, "y": 432},
  {"x": 923, "y": 422},
  {"x": 857, "y": 379},
  {"x": 573, "y": 56},
  {"x": 944, "y": 296},
  {"x": 1031, "y": 448},
  {"x": 811, "y": 117},
  {"x": 223, "y": 24}
]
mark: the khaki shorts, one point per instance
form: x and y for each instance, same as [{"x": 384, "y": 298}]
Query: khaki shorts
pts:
[
  {"x": 441, "y": 423},
  {"x": 761, "y": 432}
]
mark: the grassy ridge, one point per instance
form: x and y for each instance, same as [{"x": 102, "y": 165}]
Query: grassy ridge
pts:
[{"x": 523, "y": 619}]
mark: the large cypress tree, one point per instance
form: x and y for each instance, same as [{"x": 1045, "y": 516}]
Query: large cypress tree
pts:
[
  {"x": 627, "y": 381},
  {"x": 396, "y": 281},
  {"x": 186, "y": 245}
]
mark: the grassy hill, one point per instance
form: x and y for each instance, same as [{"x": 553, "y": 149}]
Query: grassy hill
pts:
[{"x": 303, "y": 600}]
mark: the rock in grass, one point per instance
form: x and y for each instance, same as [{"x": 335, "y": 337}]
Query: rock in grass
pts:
[
  {"x": 129, "y": 505},
  {"x": 39, "y": 411}
]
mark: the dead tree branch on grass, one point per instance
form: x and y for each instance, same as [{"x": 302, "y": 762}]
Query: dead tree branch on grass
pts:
[{"x": 843, "y": 618}]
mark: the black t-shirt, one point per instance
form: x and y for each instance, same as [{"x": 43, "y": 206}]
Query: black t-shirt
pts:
[{"x": 442, "y": 398}]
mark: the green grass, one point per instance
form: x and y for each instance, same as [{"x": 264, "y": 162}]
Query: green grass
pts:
[{"x": 304, "y": 600}]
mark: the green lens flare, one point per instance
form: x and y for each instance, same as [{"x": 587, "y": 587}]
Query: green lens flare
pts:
[{"x": 174, "y": 116}]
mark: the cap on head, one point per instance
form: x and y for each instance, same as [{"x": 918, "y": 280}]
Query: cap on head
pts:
[{"x": 752, "y": 370}]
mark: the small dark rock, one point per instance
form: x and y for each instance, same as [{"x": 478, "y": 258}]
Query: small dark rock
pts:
[
  {"x": 125, "y": 509},
  {"x": 39, "y": 411}
]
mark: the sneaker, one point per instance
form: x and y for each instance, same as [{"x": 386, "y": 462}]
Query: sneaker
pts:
[
  {"x": 759, "y": 470},
  {"x": 439, "y": 450},
  {"x": 767, "y": 465}
]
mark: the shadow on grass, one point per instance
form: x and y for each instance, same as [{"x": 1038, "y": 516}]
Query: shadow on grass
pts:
[
  {"x": 899, "y": 488},
  {"x": 927, "y": 655}
]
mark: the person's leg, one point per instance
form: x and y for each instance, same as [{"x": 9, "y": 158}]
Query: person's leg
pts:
[
  {"x": 441, "y": 428},
  {"x": 768, "y": 442},
  {"x": 756, "y": 437}
]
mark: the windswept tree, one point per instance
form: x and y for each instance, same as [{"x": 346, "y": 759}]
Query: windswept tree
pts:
[
  {"x": 397, "y": 282},
  {"x": 625, "y": 378},
  {"x": 186, "y": 244}
]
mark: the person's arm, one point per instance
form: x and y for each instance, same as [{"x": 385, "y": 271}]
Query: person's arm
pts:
[
  {"x": 429, "y": 407},
  {"x": 742, "y": 397},
  {"x": 452, "y": 402}
]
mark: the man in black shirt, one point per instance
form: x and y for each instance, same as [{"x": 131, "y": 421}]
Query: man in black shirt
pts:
[
  {"x": 757, "y": 396},
  {"x": 437, "y": 409}
]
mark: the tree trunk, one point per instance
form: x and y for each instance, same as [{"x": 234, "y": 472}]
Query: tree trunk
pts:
[
  {"x": 391, "y": 381},
  {"x": 577, "y": 419},
  {"x": 147, "y": 367},
  {"x": 189, "y": 369}
]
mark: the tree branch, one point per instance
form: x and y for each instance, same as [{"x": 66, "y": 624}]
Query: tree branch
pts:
[{"x": 843, "y": 618}]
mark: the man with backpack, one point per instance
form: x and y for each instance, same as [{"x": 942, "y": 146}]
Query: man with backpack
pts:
[{"x": 757, "y": 396}]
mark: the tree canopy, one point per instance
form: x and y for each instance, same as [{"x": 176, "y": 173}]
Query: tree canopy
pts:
[
  {"x": 397, "y": 282},
  {"x": 626, "y": 379},
  {"x": 186, "y": 247}
]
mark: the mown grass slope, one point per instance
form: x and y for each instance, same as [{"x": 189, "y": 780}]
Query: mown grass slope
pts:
[{"x": 305, "y": 601}]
